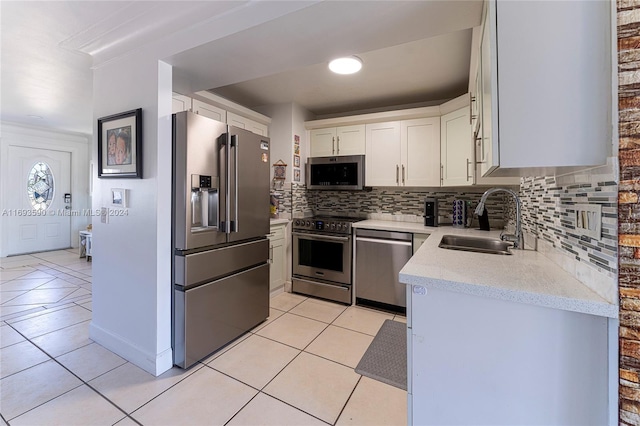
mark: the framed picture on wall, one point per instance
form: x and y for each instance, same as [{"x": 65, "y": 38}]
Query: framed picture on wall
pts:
[
  {"x": 296, "y": 161},
  {"x": 296, "y": 175},
  {"x": 120, "y": 145}
]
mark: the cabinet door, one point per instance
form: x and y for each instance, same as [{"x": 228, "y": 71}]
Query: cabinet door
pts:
[
  {"x": 210, "y": 111},
  {"x": 277, "y": 268},
  {"x": 257, "y": 128},
  {"x": 420, "y": 152},
  {"x": 382, "y": 161},
  {"x": 350, "y": 140},
  {"x": 456, "y": 148},
  {"x": 180, "y": 103},
  {"x": 323, "y": 142},
  {"x": 490, "y": 154},
  {"x": 247, "y": 124}
]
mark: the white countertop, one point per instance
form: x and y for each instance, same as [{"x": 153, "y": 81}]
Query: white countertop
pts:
[
  {"x": 279, "y": 221},
  {"x": 526, "y": 276}
]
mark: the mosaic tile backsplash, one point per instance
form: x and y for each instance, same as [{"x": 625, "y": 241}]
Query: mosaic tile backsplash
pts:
[
  {"x": 549, "y": 214},
  {"x": 391, "y": 203}
]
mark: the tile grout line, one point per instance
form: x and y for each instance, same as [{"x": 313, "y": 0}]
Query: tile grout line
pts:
[
  {"x": 73, "y": 374},
  {"x": 83, "y": 382},
  {"x": 349, "y": 398}
]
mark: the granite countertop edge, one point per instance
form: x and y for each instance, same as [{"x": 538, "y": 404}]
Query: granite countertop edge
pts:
[{"x": 527, "y": 276}]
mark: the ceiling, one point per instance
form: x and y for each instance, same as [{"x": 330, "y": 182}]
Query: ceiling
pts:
[{"x": 413, "y": 51}]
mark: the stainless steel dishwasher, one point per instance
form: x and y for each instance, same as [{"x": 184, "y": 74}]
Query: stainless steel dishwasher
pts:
[{"x": 380, "y": 255}]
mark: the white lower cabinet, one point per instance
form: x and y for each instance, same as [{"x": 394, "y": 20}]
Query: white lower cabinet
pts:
[
  {"x": 277, "y": 256},
  {"x": 483, "y": 361},
  {"x": 418, "y": 241}
]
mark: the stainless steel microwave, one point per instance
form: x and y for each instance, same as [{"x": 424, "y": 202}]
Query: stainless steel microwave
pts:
[{"x": 336, "y": 173}]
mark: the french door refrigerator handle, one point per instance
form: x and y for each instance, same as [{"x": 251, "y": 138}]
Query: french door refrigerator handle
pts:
[
  {"x": 234, "y": 143},
  {"x": 227, "y": 188}
]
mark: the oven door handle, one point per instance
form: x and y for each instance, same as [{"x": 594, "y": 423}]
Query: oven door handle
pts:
[{"x": 320, "y": 237}]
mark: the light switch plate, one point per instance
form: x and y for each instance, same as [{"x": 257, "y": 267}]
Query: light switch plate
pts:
[
  {"x": 588, "y": 220},
  {"x": 104, "y": 215}
]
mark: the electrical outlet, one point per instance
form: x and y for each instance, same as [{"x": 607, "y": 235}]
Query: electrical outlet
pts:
[
  {"x": 104, "y": 215},
  {"x": 588, "y": 220}
]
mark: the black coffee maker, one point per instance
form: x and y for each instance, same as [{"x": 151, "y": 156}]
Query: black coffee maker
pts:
[{"x": 431, "y": 212}]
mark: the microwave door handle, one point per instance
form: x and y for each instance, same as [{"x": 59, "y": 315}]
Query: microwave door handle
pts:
[{"x": 234, "y": 143}]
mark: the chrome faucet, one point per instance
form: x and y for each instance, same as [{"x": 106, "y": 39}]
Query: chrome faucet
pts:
[{"x": 518, "y": 238}]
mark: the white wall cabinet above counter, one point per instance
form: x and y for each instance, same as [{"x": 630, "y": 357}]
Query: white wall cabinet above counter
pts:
[
  {"x": 545, "y": 108},
  {"x": 436, "y": 149},
  {"x": 343, "y": 140},
  {"x": 403, "y": 153},
  {"x": 223, "y": 110}
]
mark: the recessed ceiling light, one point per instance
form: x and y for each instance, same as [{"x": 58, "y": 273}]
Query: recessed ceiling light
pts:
[{"x": 348, "y": 65}]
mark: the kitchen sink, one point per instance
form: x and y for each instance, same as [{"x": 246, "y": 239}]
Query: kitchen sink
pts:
[{"x": 475, "y": 244}]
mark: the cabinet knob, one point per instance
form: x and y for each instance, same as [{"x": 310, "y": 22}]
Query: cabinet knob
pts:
[{"x": 419, "y": 290}]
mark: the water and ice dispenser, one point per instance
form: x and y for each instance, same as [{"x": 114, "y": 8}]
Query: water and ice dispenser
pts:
[{"x": 204, "y": 201}]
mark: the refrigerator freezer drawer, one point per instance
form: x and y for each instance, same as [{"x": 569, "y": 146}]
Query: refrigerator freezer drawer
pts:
[
  {"x": 211, "y": 315},
  {"x": 197, "y": 268}
]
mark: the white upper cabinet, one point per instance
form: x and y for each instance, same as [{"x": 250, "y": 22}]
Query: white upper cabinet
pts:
[
  {"x": 403, "y": 153},
  {"x": 456, "y": 148},
  {"x": 180, "y": 103},
  {"x": 247, "y": 124},
  {"x": 343, "y": 140},
  {"x": 420, "y": 151},
  {"x": 383, "y": 158},
  {"x": 221, "y": 109},
  {"x": 546, "y": 86},
  {"x": 210, "y": 111},
  {"x": 323, "y": 142}
]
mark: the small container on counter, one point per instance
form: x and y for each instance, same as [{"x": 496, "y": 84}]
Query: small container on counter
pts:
[{"x": 459, "y": 218}]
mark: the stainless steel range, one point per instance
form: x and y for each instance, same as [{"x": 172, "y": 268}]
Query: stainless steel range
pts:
[{"x": 322, "y": 260}]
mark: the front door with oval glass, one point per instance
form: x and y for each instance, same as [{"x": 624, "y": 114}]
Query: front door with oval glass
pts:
[{"x": 35, "y": 213}]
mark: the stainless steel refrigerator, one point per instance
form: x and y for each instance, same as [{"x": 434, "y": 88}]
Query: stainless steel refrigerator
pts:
[{"x": 220, "y": 222}]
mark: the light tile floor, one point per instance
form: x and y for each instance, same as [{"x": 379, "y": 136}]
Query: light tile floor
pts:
[{"x": 296, "y": 368}]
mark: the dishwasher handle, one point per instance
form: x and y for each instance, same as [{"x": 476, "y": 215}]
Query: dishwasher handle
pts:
[{"x": 384, "y": 241}]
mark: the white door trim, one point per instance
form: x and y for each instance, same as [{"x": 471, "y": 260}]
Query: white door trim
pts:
[{"x": 75, "y": 143}]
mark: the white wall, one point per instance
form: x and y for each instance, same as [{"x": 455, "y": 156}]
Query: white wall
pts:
[
  {"x": 131, "y": 281},
  {"x": 279, "y": 134},
  {"x": 300, "y": 115},
  {"x": 75, "y": 143},
  {"x": 287, "y": 120}
]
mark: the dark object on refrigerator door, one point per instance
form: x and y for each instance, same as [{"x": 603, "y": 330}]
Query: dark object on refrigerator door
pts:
[
  {"x": 483, "y": 220},
  {"x": 431, "y": 212}
]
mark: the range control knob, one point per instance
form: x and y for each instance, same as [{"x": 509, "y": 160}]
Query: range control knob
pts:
[
  {"x": 333, "y": 226},
  {"x": 297, "y": 222},
  {"x": 308, "y": 223}
]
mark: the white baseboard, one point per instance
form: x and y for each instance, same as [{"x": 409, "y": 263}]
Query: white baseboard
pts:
[{"x": 155, "y": 364}]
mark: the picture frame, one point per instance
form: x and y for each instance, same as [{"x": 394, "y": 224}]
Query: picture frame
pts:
[
  {"x": 296, "y": 149},
  {"x": 120, "y": 145},
  {"x": 119, "y": 198},
  {"x": 296, "y": 175},
  {"x": 296, "y": 161}
]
